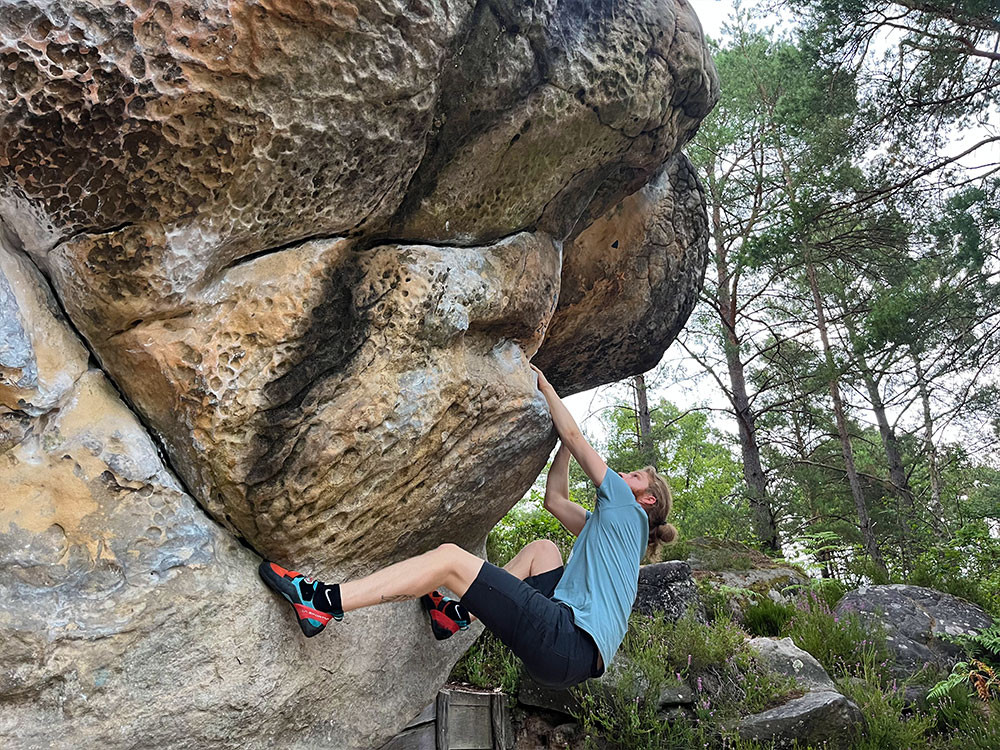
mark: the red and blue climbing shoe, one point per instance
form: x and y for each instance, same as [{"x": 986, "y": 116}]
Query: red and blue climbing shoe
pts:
[
  {"x": 447, "y": 615},
  {"x": 314, "y": 601}
]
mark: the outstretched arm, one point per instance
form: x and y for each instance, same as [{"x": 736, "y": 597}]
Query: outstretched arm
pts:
[
  {"x": 557, "y": 502},
  {"x": 593, "y": 465}
]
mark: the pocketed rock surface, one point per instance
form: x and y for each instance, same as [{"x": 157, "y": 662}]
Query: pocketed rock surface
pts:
[
  {"x": 304, "y": 252},
  {"x": 129, "y": 618}
]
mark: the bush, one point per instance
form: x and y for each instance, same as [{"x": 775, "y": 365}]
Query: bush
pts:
[
  {"x": 714, "y": 660},
  {"x": 524, "y": 523},
  {"x": 767, "y": 617},
  {"x": 844, "y": 645}
]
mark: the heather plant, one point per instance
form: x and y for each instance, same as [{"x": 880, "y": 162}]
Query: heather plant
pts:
[
  {"x": 766, "y": 617},
  {"x": 843, "y": 644},
  {"x": 489, "y": 664},
  {"x": 713, "y": 659}
]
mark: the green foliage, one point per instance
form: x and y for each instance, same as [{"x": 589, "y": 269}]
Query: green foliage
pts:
[
  {"x": 980, "y": 672},
  {"x": 842, "y": 644},
  {"x": 767, "y": 617},
  {"x": 524, "y": 523},
  {"x": 659, "y": 654},
  {"x": 698, "y": 460},
  {"x": 963, "y": 566},
  {"x": 887, "y": 722},
  {"x": 489, "y": 664}
]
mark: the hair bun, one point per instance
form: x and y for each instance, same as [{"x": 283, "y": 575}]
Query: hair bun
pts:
[{"x": 666, "y": 532}]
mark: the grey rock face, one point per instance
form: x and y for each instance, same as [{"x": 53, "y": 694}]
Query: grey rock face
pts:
[
  {"x": 815, "y": 718},
  {"x": 914, "y": 617},
  {"x": 666, "y": 588}
]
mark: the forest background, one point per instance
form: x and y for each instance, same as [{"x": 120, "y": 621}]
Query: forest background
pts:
[{"x": 835, "y": 396}]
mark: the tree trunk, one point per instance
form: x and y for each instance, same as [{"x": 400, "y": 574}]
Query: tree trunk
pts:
[
  {"x": 937, "y": 509},
  {"x": 893, "y": 458},
  {"x": 864, "y": 519},
  {"x": 823, "y": 556},
  {"x": 761, "y": 514},
  {"x": 645, "y": 424}
]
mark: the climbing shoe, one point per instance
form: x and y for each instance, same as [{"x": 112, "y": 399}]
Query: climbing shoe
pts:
[
  {"x": 314, "y": 602},
  {"x": 447, "y": 615}
]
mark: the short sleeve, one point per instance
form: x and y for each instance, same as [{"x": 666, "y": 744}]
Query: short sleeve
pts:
[{"x": 613, "y": 491}]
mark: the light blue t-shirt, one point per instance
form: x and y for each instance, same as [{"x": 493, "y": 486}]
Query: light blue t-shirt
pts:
[{"x": 602, "y": 575}]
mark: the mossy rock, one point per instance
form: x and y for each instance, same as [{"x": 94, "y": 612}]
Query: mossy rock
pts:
[
  {"x": 735, "y": 575},
  {"x": 709, "y": 553}
]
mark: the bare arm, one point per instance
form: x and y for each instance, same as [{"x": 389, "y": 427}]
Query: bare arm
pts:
[
  {"x": 557, "y": 502},
  {"x": 593, "y": 465}
]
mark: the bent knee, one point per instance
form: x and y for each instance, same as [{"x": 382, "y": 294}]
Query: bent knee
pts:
[
  {"x": 453, "y": 551},
  {"x": 545, "y": 547},
  {"x": 547, "y": 551}
]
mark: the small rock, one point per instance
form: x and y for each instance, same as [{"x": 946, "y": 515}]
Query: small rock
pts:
[
  {"x": 784, "y": 657},
  {"x": 667, "y": 588},
  {"x": 825, "y": 716}
]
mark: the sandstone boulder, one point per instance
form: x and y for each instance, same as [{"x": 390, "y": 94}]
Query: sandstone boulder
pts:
[
  {"x": 629, "y": 282},
  {"x": 155, "y": 165},
  {"x": 129, "y": 617},
  {"x": 314, "y": 245},
  {"x": 337, "y": 407}
]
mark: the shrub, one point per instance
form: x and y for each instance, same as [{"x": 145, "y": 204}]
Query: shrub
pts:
[
  {"x": 767, "y": 617},
  {"x": 714, "y": 660},
  {"x": 524, "y": 523},
  {"x": 843, "y": 644}
]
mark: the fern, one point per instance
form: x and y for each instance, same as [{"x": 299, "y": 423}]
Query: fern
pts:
[
  {"x": 959, "y": 674},
  {"x": 989, "y": 639},
  {"x": 984, "y": 646}
]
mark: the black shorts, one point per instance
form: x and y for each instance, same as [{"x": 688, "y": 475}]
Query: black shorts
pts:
[{"x": 540, "y": 631}]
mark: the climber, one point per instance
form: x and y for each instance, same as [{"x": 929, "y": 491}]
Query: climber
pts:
[{"x": 565, "y": 624}]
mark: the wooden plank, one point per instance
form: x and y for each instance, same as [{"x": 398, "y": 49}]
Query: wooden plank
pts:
[
  {"x": 441, "y": 732},
  {"x": 424, "y": 717},
  {"x": 503, "y": 732},
  {"x": 420, "y": 738},
  {"x": 466, "y": 698},
  {"x": 469, "y": 727}
]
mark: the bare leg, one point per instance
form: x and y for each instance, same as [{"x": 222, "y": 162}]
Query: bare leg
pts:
[
  {"x": 539, "y": 556},
  {"x": 448, "y": 565}
]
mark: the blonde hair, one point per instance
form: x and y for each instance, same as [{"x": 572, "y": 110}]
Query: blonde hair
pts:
[{"x": 660, "y": 532}]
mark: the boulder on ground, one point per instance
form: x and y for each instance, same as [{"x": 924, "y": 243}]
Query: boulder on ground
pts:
[
  {"x": 815, "y": 718},
  {"x": 667, "y": 589},
  {"x": 742, "y": 574},
  {"x": 916, "y": 621},
  {"x": 785, "y": 658},
  {"x": 127, "y": 616}
]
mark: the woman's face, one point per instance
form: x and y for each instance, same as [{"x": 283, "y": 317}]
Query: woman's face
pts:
[{"x": 638, "y": 482}]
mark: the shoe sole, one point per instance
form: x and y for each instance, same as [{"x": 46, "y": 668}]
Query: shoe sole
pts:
[
  {"x": 441, "y": 632},
  {"x": 281, "y": 585}
]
